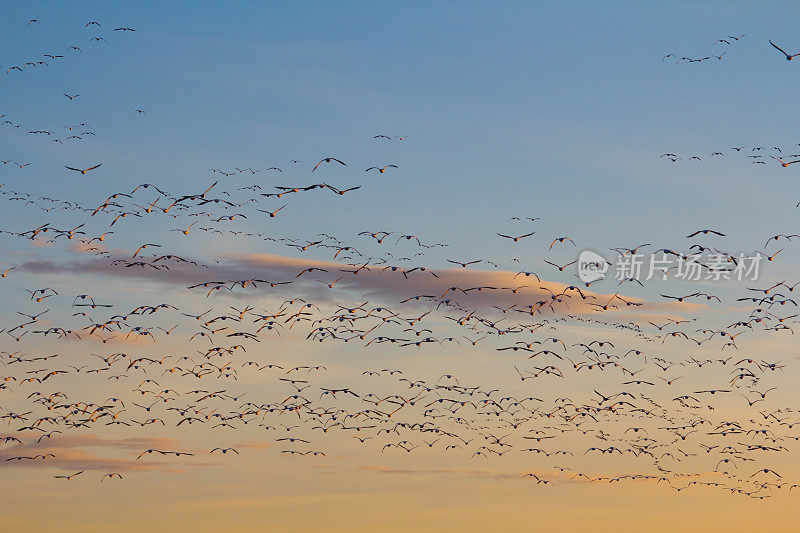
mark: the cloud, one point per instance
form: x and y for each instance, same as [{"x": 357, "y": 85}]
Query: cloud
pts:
[
  {"x": 471, "y": 288},
  {"x": 547, "y": 475},
  {"x": 70, "y": 454},
  {"x": 74, "y": 460},
  {"x": 42, "y": 243},
  {"x": 86, "y": 247}
]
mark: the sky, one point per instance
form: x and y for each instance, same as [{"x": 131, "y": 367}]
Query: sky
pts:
[{"x": 559, "y": 111}]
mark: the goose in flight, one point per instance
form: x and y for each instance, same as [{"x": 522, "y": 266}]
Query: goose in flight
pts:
[
  {"x": 272, "y": 214},
  {"x": 560, "y": 268},
  {"x": 516, "y": 239},
  {"x": 705, "y": 232},
  {"x": 381, "y": 169},
  {"x": 464, "y": 264},
  {"x": 85, "y": 170},
  {"x": 783, "y": 163},
  {"x": 328, "y": 160},
  {"x": 788, "y": 57},
  {"x": 225, "y": 450},
  {"x": 70, "y": 476},
  {"x": 562, "y": 239}
]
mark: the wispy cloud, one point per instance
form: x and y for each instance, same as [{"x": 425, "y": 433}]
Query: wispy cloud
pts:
[
  {"x": 71, "y": 454},
  {"x": 381, "y": 283}
]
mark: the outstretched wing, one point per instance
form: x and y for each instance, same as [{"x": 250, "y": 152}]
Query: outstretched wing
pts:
[{"x": 779, "y": 48}]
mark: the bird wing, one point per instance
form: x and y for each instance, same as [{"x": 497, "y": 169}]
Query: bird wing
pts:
[{"x": 779, "y": 48}]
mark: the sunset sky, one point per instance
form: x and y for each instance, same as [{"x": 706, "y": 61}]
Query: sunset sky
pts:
[{"x": 567, "y": 113}]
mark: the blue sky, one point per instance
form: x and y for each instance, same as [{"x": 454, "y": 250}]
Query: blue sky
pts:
[{"x": 512, "y": 101}]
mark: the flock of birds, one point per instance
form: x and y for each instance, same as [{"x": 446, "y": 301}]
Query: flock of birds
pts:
[
  {"x": 46, "y": 59},
  {"x": 721, "y": 44},
  {"x": 756, "y": 155},
  {"x": 709, "y": 417}
]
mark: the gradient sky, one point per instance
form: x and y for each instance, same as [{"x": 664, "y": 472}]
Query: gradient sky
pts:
[{"x": 554, "y": 110}]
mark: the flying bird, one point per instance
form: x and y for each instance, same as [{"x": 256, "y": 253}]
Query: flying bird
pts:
[
  {"x": 381, "y": 169},
  {"x": 788, "y": 57},
  {"x": 85, "y": 170},
  {"x": 328, "y": 160}
]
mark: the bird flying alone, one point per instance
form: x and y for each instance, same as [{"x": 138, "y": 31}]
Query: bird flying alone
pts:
[
  {"x": 705, "y": 232},
  {"x": 328, "y": 160},
  {"x": 381, "y": 169},
  {"x": 84, "y": 171},
  {"x": 788, "y": 57}
]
